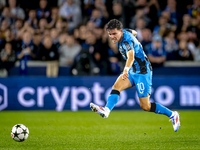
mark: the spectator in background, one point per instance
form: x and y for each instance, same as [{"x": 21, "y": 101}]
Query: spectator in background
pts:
[
  {"x": 84, "y": 62},
  {"x": 1, "y": 40},
  {"x": 54, "y": 36},
  {"x": 143, "y": 4},
  {"x": 156, "y": 52},
  {"x": 72, "y": 13},
  {"x": 8, "y": 57},
  {"x": 170, "y": 25},
  {"x": 2, "y": 4},
  {"x": 153, "y": 12},
  {"x": 194, "y": 10},
  {"x": 182, "y": 36},
  {"x": 160, "y": 28},
  {"x": 27, "y": 49},
  {"x": 42, "y": 25},
  {"x": 129, "y": 11},
  {"x": 171, "y": 45},
  {"x": 8, "y": 38},
  {"x": 90, "y": 26},
  {"x": 43, "y": 10},
  {"x": 76, "y": 34},
  {"x": 97, "y": 18},
  {"x": 150, "y": 9},
  {"x": 146, "y": 37},
  {"x": 4, "y": 27},
  {"x": 37, "y": 39},
  {"x": 88, "y": 7},
  {"x": 68, "y": 51},
  {"x": 84, "y": 65},
  {"x": 16, "y": 28},
  {"x": 105, "y": 36},
  {"x": 54, "y": 17},
  {"x": 114, "y": 58},
  {"x": 16, "y": 12},
  {"x": 61, "y": 2},
  {"x": 46, "y": 33},
  {"x": 98, "y": 53},
  {"x": 80, "y": 34},
  {"x": 62, "y": 39},
  {"x": 61, "y": 26},
  {"x": 197, "y": 53},
  {"x": 98, "y": 32},
  {"x": 195, "y": 25},
  {"x": 186, "y": 23},
  {"x": 25, "y": 28},
  {"x": 49, "y": 52},
  {"x": 139, "y": 26},
  {"x": 6, "y": 16},
  {"x": 192, "y": 39},
  {"x": 171, "y": 8},
  {"x": 32, "y": 19},
  {"x": 118, "y": 12},
  {"x": 100, "y": 5},
  {"x": 184, "y": 53},
  {"x": 139, "y": 15}
]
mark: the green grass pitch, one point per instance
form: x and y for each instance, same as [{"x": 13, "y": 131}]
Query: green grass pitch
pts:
[{"x": 87, "y": 130}]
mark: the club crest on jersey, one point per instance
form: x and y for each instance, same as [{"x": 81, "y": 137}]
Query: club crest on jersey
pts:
[{"x": 127, "y": 45}]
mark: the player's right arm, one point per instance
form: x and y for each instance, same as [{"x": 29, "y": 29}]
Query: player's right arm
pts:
[{"x": 129, "y": 63}]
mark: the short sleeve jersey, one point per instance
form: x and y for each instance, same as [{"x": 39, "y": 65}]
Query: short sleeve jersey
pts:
[{"x": 129, "y": 42}]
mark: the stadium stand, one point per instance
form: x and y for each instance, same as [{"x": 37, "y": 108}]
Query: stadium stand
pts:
[{"x": 78, "y": 26}]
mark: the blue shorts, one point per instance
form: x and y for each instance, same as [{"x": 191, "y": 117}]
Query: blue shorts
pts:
[{"x": 143, "y": 82}]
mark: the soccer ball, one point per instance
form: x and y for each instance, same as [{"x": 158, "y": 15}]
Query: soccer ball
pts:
[{"x": 19, "y": 132}]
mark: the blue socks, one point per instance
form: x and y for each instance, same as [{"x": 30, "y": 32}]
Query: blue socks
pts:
[
  {"x": 159, "y": 109},
  {"x": 113, "y": 99},
  {"x": 155, "y": 107}
]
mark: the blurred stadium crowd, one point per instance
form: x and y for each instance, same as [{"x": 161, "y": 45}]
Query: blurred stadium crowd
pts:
[{"x": 72, "y": 32}]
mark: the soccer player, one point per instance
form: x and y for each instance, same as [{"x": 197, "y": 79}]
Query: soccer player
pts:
[{"x": 137, "y": 72}]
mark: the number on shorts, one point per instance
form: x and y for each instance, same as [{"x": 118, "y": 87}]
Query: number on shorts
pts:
[{"x": 140, "y": 87}]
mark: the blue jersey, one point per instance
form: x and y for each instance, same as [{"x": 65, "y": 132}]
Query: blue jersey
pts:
[{"x": 141, "y": 64}]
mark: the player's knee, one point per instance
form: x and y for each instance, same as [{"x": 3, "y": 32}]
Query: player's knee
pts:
[
  {"x": 145, "y": 107},
  {"x": 115, "y": 86}
]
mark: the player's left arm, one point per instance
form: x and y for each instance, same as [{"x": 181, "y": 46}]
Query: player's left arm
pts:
[
  {"x": 134, "y": 32},
  {"x": 129, "y": 63}
]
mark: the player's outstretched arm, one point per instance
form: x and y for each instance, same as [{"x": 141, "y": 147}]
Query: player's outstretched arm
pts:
[
  {"x": 129, "y": 63},
  {"x": 134, "y": 32}
]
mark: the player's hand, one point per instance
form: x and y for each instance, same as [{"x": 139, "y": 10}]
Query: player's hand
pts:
[{"x": 125, "y": 74}]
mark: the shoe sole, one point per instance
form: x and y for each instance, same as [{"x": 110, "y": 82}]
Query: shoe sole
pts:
[
  {"x": 178, "y": 123},
  {"x": 177, "y": 128},
  {"x": 94, "y": 109}
]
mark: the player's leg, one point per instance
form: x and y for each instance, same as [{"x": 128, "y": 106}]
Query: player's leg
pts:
[
  {"x": 154, "y": 107},
  {"x": 159, "y": 109},
  {"x": 119, "y": 86},
  {"x": 143, "y": 86}
]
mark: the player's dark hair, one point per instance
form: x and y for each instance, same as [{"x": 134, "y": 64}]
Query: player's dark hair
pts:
[{"x": 114, "y": 24}]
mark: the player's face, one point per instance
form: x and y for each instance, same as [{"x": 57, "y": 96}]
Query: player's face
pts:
[{"x": 115, "y": 35}]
